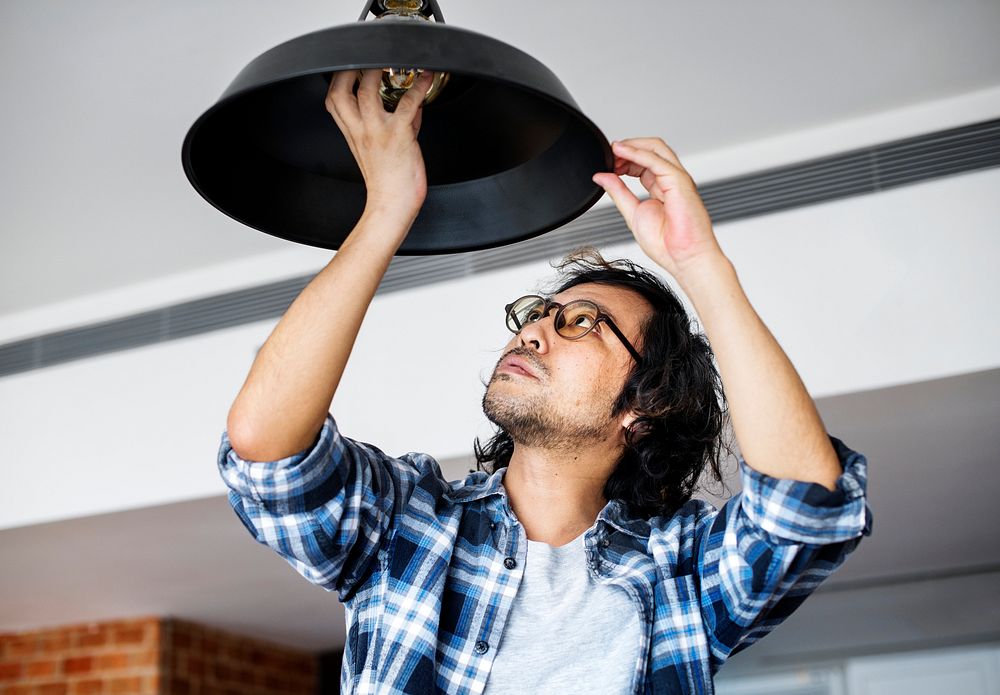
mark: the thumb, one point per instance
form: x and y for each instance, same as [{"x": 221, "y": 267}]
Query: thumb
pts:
[
  {"x": 411, "y": 102},
  {"x": 417, "y": 120},
  {"x": 624, "y": 199}
]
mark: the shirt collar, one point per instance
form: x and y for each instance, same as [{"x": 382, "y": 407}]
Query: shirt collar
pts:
[
  {"x": 475, "y": 487},
  {"x": 614, "y": 514}
]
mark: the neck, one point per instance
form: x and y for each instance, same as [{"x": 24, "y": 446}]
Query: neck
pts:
[{"x": 557, "y": 494}]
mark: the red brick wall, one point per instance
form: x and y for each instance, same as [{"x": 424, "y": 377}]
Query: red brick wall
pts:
[
  {"x": 202, "y": 661},
  {"x": 114, "y": 657},
  {"x": 150, "y": 655}
]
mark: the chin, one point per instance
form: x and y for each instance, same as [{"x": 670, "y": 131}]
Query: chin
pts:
[{"x": 500, "y": 402}]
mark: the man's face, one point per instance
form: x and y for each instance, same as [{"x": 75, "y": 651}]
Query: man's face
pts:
[{"x": 552, "y": 392}]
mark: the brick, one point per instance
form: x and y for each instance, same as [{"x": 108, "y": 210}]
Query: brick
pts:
[
  {"x": 146, "y": 659},
  {"x": 182, "y": 640},
  {"x": 52, "y": 642},
  {"x": 76, "y": 665},
  {"x": 88, "y": 687},
  {"x": 129, "y": 635},
  {"x": 241, "y": 652},
  {"x": 196, "y": 667},
  {"x": 132, "y": 685},
  {"x": 42, "y": 669},
  {"x": 180, "y": 664},
  {"x": 192, "y": 631},
  {"x": 51, "y": 689},
  {"x": 223, "y": 672},
  {"x": 84, "y": 661},
  {"x": 112, "y": 662},
  {"x": 91, "y": 636},
  {"x": 11, "y": 672},
  {"x": 21, "y": 646}
]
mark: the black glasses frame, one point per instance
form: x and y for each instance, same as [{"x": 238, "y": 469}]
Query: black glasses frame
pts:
[{"x": 548, "y": 305}]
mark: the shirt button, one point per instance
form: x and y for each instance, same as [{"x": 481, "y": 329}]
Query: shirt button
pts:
[
  {"x": 481, "y": 647},
  {"x": 510, "y": 563},
  {"x": 605, "y": 543}
]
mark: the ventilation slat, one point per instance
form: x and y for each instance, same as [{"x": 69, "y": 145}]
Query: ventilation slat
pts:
[
  {"x": 830, "y": 187},
  {"x": 859, "y": 172},
  {"x": 857, "y": 166}
]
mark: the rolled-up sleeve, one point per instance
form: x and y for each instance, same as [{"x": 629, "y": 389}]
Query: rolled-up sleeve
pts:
[
  {"x": 771, "y": 546},
  {"x": 325, "y": 510},
  {"x": 792, "y": 511}
]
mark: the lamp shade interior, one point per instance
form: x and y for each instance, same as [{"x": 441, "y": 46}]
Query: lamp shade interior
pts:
[{"x": 507, "y": 151}]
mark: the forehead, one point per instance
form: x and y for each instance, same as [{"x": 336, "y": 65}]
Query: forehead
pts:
[{"x": 627, "y": 307}]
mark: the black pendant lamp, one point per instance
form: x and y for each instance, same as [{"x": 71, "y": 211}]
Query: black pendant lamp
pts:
[{"x": 508, "y": 153}]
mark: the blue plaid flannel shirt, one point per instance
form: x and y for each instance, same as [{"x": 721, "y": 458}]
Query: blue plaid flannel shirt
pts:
[{"x": 420, "y": 563}]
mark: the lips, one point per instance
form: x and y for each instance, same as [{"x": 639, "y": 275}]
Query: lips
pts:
[{"x": 512, "y": 364}]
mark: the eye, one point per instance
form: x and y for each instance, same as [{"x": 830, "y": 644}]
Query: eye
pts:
[
  {"x": 533, "y": 316},
  {"x": 583, "y": 321}
]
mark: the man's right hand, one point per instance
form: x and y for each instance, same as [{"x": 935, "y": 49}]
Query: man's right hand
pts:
[
  {"x": 384, "y": 144},
  {"x": 286, "y": 396}
]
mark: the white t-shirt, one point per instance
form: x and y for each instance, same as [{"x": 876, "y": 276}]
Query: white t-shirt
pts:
[{"x": 566, "y": 632}]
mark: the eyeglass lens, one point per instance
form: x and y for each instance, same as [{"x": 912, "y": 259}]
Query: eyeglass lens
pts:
[{"x": 573, "y": 320}]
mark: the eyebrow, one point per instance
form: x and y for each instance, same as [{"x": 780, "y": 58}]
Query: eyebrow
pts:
[{"x": 603, "y": 309}]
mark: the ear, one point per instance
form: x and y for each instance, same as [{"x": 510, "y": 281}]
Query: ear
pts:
[{"x": 628, "y": 418}]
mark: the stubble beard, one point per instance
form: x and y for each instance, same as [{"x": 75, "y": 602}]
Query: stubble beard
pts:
[{"x": 534, "y": 420}]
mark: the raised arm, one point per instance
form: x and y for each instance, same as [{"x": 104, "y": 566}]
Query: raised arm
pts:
[
  {"x": 285, "y": 399},
  {"x": 775, "y": 420}
]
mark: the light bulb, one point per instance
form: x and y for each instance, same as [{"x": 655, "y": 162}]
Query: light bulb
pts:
[{"x": 396, "y": 81}]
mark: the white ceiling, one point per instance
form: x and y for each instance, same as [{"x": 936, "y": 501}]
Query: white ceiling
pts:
[
  {"x": 929, "y": 574},
  {"x": 97, "y": 98}
]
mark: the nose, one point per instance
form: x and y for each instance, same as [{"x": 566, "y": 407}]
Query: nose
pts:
[{"x": 537, "y": 334}]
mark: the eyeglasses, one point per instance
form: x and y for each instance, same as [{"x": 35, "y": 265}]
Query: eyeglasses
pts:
[{"x": 573, "y": 320}]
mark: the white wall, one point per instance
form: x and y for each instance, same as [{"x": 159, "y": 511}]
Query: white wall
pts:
[
  {"x": 867, "y": 292},
  {"x": 971, "y": 670}
]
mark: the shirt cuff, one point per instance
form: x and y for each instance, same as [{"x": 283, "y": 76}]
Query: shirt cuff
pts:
[
  {"x": 794, "y": 511},
  {"x": 286, "y": 485}
]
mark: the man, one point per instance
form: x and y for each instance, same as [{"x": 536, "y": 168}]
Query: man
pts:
[{"x": 579, "y": 562}]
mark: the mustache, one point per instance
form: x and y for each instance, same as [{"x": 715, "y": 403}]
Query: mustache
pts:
[{"x": 529, "y": 356}]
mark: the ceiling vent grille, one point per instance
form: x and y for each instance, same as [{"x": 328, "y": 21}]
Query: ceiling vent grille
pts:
[{"x": 854, "y": 173}]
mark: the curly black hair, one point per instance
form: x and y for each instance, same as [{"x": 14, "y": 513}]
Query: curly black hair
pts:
[{"x": 676, "y": 392}]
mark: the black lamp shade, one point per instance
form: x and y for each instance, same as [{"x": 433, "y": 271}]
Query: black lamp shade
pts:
[{"x": 508, "y": 153}]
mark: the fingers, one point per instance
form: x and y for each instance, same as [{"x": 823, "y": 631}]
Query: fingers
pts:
[
  {"x": 640, "y": 162},
  {"x": 646, "y": 159},
  {"x": 648, "y": 181},
  {"x": 356, "y": 115},
  {"x": 656, "y": 145},
  {"x": 624, "y": 199},
  {"x": 417, "y": 120},
  {"x": 414, "y": 97},
  {"x": 623, "y": 167},
  {"x": 340, "y": 101},
  {"x": 369, "y": 100}
]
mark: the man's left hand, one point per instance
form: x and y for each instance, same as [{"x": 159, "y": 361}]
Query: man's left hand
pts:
[{"x": 672, "y": 226}]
